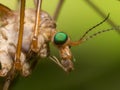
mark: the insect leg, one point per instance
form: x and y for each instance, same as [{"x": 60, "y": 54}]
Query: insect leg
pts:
[
  {"x": 57, "y": 10},
  {"x": 17, "y": 63},
  {"x": 20, "y": 37},
  {"x": 9, "y": 79},
  {"x": 34, "y": 44},
  {"x": 17, "y": 4},
  {"x": 35, "y": 2},
  {"x": 13, "y": 73}
]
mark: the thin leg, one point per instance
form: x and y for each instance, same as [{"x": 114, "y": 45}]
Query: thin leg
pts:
[
  {"x": 35, "y": 2},
  {"x": 100, "y": 12},
  {"x": 13, "y": 73},
  {"x": 8, "y": 80},
  {"x": 34, "y": 44},
  {"x": 17, "y": 4},
  {"x": 20, "y": 37},
  {"x": 57, "y": 10},
  {"x": 17, "y": 63}
]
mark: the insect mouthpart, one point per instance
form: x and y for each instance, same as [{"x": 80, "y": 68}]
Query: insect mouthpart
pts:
[{"x": 68, "y": 65}]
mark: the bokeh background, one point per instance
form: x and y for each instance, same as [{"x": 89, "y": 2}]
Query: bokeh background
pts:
[{"x": 97, "y": 65}]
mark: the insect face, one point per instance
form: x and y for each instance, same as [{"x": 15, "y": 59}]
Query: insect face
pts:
[
  {"x": 61, "y": 40},
  {"x": 66, "y": 57}
]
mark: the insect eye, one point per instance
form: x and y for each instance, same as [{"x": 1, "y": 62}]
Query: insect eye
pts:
[{"x": 60, "y": 38}]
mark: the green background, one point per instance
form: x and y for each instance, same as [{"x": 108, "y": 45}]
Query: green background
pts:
[{"x": 97, "y": 65}]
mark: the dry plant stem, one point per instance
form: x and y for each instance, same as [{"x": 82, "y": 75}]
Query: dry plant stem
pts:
[{"x": 100, "y": 12}]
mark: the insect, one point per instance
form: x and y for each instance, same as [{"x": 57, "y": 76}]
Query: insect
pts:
[{"x": 26, "y": 34}]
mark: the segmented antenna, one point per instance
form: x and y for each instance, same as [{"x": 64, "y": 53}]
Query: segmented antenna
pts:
[
  {"x": 94, "y": 27},
  {"x": 85, "y": 38},
  {"x": 97, "y": 33}
]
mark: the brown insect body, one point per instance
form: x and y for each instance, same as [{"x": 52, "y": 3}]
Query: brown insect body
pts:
[
  {"x": 26, "y": 35},
  {"x": 8, "y": 41}
]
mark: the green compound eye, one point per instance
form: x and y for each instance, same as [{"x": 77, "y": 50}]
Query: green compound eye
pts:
[{"x": 60, "y": 38}]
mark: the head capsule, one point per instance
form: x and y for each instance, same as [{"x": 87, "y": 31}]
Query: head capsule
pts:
[{"x": 61, "y": 41}]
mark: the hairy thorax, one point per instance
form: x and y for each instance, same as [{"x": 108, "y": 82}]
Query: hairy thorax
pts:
[{"x": 9, "y": 30}]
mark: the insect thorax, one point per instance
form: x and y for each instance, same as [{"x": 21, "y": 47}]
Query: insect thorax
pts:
[{"x": 10, "y": 28}]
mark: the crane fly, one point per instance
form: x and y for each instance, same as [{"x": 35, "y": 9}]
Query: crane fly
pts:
[{"x": 26, "y": 33}]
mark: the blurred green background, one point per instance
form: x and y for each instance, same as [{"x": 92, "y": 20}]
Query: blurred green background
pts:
[{"x": 97, "y": 65}]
